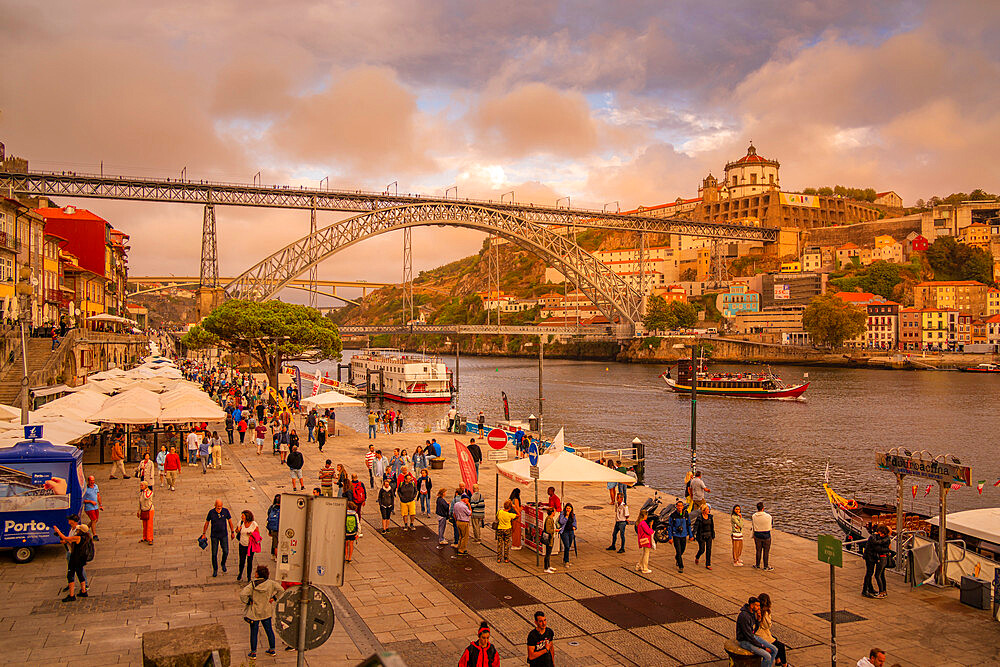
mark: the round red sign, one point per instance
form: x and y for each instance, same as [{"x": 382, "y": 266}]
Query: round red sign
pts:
[{"x": 497, "y": 438}]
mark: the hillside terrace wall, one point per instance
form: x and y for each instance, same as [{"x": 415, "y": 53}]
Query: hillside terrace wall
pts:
[{"x": 864, "y": 233}]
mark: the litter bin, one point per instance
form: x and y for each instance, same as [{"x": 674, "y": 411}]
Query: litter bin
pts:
[
  {"x": 437, "y": 463},
  {"x": 461, "y": 426},
  {"x": 975, "y": 592},
  {"x": 533, "y": 423}
]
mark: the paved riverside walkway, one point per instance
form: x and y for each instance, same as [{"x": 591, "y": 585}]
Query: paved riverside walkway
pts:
[{"x": 406, "y": 594}]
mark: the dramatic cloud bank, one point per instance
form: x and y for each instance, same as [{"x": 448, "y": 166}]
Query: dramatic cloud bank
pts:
[{"x": 628, "y": 102}]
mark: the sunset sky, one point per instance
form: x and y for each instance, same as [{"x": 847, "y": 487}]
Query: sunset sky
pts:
[{"x": 632, "y": 102}]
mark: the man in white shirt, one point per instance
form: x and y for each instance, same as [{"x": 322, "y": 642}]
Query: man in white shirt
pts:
[
  {"x": 192, "y": 447},
  {"x": 876, "y": 658},
  {"x": 621, "y": 520},
  {"x": 451, "y": 418},
  {"x": 698, "y": 491},
  {"x": 761, "y": 523}
]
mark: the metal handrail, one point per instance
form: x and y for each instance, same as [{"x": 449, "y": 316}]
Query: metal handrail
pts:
[{"x": 949, "y": 560}]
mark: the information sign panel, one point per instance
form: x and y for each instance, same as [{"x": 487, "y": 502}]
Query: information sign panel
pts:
[{"x": 831, "y": 550}]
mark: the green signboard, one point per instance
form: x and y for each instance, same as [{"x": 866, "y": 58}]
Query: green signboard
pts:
[{"x": 831, "y": 550}]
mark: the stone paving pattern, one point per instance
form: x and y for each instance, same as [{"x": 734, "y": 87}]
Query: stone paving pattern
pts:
[{"x": 389, "y": 603}]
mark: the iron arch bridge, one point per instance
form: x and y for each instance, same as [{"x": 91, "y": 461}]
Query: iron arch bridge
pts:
[{"x": 612, "y": 295}]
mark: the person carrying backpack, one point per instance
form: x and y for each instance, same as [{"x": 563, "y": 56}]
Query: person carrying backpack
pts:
[
  {"x": 81, "y": 552},
  {"x": 273, "y": 522},
  {"x": 351, "y": 530},
  {"x": 360, "y": 496}
]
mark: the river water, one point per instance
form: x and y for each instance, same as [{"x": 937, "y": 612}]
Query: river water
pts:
[{"x": 749, "y": 450}]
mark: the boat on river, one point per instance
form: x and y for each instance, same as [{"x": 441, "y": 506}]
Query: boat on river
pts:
[
  {"x": 401, "y": 376},
  {"x": 979, "y": 529},
  {"x": 737, "y": 385},
  {"x": 983, "y": 368}
]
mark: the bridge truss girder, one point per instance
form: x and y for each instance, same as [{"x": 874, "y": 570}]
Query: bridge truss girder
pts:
[
  {"x": 612, "y": 295},
  {"x": 354, "y": 201}
]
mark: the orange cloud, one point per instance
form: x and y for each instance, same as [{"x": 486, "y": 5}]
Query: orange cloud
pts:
[
  {"x": 537, "y": 118},
  {"x": 364, "y": 118}
]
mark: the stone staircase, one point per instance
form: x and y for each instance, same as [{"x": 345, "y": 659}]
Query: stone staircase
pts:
[{"x": 39, "y": 352}]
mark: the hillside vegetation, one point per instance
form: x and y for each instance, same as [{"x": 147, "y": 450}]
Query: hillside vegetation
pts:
[{"x": 448, "y": 293}]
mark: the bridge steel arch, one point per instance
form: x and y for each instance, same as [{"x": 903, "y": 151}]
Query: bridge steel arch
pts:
[{"x": 612, "y": 295}]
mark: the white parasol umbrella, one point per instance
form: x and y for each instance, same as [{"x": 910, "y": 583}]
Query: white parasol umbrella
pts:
[
  {"x": 134, "y": 406},
  {"x": 562, "y": 466},
  {"x": 79, "y": 405},
  {"x": 331, "y": 399},
  {"x": 57, "y": 430}
]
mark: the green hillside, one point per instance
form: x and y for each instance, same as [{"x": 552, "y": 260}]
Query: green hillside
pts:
[{"x": 448, "y": 293}]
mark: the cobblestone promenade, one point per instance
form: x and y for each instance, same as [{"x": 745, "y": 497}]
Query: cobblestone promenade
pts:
[{"x": 407, "y": 594}]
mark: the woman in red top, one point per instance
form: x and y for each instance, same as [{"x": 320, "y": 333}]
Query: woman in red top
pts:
[{"x": 554, "y": 501}]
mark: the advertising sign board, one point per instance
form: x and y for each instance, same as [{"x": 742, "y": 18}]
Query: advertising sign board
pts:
[{"x": 938, "y": 471}]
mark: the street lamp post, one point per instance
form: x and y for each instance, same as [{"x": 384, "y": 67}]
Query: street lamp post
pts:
[
  {"x": 694, "y": 401},
  {"x": 23, "y": 291},
  {"x": 694, "y": 407}
]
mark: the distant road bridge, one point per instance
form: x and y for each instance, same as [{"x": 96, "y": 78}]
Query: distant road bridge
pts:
[
  {"x": 478, "y": 330},
  {"x": 172, "y": 282}
]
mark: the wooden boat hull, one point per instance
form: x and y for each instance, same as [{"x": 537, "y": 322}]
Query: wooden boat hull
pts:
[{"x": 786, "y": 393}]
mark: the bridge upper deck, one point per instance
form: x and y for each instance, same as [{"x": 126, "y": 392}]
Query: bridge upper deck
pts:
[{"x": 71, "y": 184}]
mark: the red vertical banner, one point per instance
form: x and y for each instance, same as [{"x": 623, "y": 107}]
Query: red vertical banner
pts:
[{"x": 465, "y": 464}]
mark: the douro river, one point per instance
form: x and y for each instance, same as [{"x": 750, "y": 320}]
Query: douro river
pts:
[{"x": 749, "y": 450}]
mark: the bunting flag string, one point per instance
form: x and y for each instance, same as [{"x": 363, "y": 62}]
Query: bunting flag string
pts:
[
  {"x": 996, "y": 483},
  {"x": 914, "y": 489},
  {"x": 980, "y": 484},
  {"x": 956, "y": 487},
  {"x": 928, "y": 490}
]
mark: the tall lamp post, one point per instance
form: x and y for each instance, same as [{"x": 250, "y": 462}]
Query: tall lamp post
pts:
[
  {"x": 23, "y": 291},
  {"x": 694, "y": 401}
]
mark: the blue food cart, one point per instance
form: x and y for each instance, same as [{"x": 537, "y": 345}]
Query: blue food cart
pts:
[{"x": 40, "y": 485}]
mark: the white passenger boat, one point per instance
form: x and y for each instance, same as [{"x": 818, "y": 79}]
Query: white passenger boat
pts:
[{"x": 402, "y": 376}]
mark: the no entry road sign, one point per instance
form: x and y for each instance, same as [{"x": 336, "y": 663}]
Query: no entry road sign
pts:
[{"x": 497, "y": 438}]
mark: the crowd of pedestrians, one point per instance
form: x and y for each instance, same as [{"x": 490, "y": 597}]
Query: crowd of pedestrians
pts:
[{"x": 403, "y": 485}]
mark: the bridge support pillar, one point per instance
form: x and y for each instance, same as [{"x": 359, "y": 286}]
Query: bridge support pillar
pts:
[{"x": 208, "y": 299}]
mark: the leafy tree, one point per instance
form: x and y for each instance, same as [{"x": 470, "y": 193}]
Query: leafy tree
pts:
[
  {"x": 661, "y": 316},
  {"x": 658, "y": 316},
  {"x": 198, "y": 339},
  {"x": 951, "y": 260},
  {"x": 274, "y": 332},
  {"x": 881, "y": 278},
  {"x": 685, "y": 314},
  {"x": 831, "y": 321}
]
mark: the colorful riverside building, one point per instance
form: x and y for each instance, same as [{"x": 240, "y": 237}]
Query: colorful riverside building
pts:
[
  {"x": 739, "y": 298},
  {"x": 882, "y": 325},
  {"x": 909, "y": 329},
  {"x": 939, "y": 328},
  {"x": 969, "y": 296},
  {"x": 992, "y": 301},
  {"x": 94, "y": 261}
]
